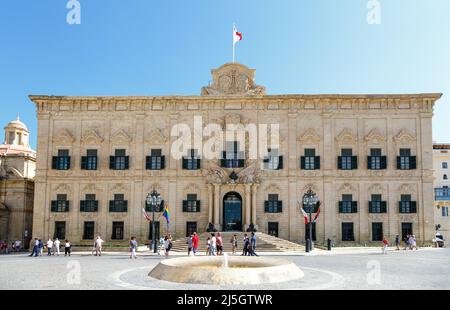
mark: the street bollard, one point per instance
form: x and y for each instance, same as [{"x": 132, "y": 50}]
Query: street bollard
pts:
[{"x": 329, "y": 244}]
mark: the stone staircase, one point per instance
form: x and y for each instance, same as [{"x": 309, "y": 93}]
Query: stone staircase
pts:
[{"x": 265, "y": 243}]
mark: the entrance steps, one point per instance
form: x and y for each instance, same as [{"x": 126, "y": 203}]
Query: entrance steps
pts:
[{"x": 264, "y": 243}]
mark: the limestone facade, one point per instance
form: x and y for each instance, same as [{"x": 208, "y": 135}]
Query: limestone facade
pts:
[
  {"x": 17, "y": 170},
  {"x": 325, "y": 123}
]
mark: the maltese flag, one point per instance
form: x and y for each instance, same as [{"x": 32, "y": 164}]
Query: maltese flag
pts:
[{"x": 237, "y": 36}]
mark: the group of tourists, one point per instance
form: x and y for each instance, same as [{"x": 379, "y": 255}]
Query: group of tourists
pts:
[
  {"x": 53, "y": 247},
  {"x": 15, "y": 246},
  {"x": 214, "y": 244},
  {"x": 410, "y": 243}
]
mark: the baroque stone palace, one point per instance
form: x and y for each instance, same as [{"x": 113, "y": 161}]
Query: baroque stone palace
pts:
[{"x": 368, "y": 157}]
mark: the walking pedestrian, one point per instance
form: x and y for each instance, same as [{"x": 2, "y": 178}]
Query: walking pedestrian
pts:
[
  {"x": 208, "y": 246},
  {"x": 246, "y": 245},
  {"x": 397, "y": 242},
  {"x": 35, "y": 248},
  {"x": 413, "y": 243},
  {"x": 18, "y": 245},
  {"x": 406, "y": 242},
  {"x": 49, "y": 247},
  {"x": 161, "y": 245},
  {"x": 133, "y": 248},
  {"x": 219, "y": 243},
  {"x": 41, "y": 247},
  {"x": 57, "y": 245},
  {"x": 67, "y": 248},
  {"x": 253, "y": 245},
  {"x": 167, "y": 245},
  {"x": 213, "y": 244},
  {"x": 385, "y": 245},
  {"x": 189, "y": 243},
  {"x": 195, "y": 242},
  {"x": 98, "y": 246},
  {"x": 234, "y": 243}
]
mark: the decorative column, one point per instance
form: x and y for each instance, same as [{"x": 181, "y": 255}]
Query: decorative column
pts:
[
  {"x": 210, "y": 203},
  {"x": 254, "y": 192},
  {"x": 216, "y": 206},
  {"x": 247, "y": 205}
]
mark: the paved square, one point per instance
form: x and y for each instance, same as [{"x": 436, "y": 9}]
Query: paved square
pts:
[{"x": 363, "y": 269}]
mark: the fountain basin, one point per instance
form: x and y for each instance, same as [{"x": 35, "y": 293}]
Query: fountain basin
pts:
[{"x": 240, "y": 270}]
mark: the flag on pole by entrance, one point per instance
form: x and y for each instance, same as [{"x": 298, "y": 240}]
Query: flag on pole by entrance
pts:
[
  {"x": 305, "y": 215},
  {"x": 166, "y": 214},
  {"x": 147, "y": 217}
]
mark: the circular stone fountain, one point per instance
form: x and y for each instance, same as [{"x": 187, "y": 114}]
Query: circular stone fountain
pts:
[{"x": 225, "y": 270}]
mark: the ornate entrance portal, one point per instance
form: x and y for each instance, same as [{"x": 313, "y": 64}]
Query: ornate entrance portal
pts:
[{"x": 232, "y": 212}]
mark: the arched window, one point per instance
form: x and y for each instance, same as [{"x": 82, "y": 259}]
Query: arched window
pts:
[{"x": 445, "y": 177}]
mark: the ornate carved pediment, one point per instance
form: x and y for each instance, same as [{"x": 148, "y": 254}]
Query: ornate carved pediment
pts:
[
  {"x": 156, "y": 137},
  {"x": 406, "y": 189},
  {"x": 346, "y": 137},
  {"x": 374, "y": 136},
  {"x": 310, "y": 186},
  {"x": 250, "y": 174},
  {"x": 192, "y": 188},
  {"x": 346, "y": 188},
  {"x": 64, "y": 137},
  {"x": 309, "y": 136},
  {"x": 121, "y": 137},
  {"x": 233, "y": 79},
  {"x": 404, "y": 137},
  {"x": 91, "y": 136},
  {"x": 376, "y": 188},
  {"x": 215, "y": 174},
  {"x": 154, "y": 186},
  {"x": 62, "y": 188},
  {"x": 273, "y": 189},
  {"x": 91, "y": 188},
  {"x": 120, "y": 188}
]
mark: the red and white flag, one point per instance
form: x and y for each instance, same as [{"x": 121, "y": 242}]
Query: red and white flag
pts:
[
  {"x": 146, "y": 216},
  {"x": 237, "y": 36},
  {"x": 317, "y": 215},
  {"x": 305, "y": 216}
]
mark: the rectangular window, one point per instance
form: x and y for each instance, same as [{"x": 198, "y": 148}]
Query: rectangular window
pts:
[
  {"x": 377, "y": 231},
  {"x": 347, "y": 232},
  {"x": 375, "y": 161},
  {"x": 232, "y": 157},
  {"x": 60, "y": 204},
  {"x": 347, "y": 161},
  {"x": 191, "y": 227},
  {"x": 406, "y": 205},
  {"x": 11, "y": 138},
  {"x": 376, "y": 205},
  {"x": 310, "y": 161},
  {"x": 119, "y": 204},
  {"x": 273, "y": 161},
  {"x": 347, "y": 205},
  {"x": 90, "y": 204},
  {"x": 273, "y": 229},
  {"x": 191, "y": 204},
  {"x": 273, "y": 205},
  {"x": 89, "y": 162},
  {"x": 156, "y": 161},
  {"x": 60, "y": 230},
  {"x": 62, "y": 161},
  {"x": 192, "y": 161},
  {"x": 444, "y": 165},
  {"x": 117, "y": 231},
  {"x": 444, "y": 211},
  {"x": 88, "y": 231},
  {"x": 405, "y": 161}
]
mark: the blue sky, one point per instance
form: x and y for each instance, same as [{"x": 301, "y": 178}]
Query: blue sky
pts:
[{"x": 143, "y": 47}]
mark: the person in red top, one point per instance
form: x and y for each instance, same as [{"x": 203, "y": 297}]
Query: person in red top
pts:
[
  {"x": 385, "y": 245},
  {"x": 195, "y": 242}
]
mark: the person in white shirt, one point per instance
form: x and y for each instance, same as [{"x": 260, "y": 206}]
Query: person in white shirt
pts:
[
  {"x": 98, "y": 246},
  {"x": 17, "y": 245},
  {"x": 57, "y": 245},
  {"x": 213, "y": 244},
  {"x": 49, "y": 247}
]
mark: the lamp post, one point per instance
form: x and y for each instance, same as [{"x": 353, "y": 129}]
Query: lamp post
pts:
[
  {"x": 310, "y": 205},
  {"x": 154, "y": 199}
]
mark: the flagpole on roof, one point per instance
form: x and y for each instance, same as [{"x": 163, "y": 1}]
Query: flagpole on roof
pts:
[{"x": 234, "y": 52}]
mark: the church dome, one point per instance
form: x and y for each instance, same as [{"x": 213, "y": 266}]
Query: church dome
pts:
[{"x": 17, "y": 124}]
